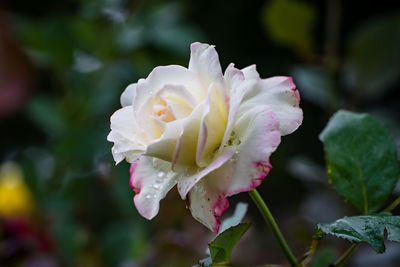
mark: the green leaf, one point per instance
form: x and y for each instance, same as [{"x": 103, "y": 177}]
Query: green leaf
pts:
[
  {"x": 235, "y": 219},
  {"x": 374, "y": 58},
  {"x": 361, "y": 159},
  {"x": 288, "y": 22},
  {"x": 366, "y": 228},
  {"x": 221, "y": 247}
]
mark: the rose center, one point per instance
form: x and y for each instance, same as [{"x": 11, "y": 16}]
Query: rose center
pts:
[{"x": 163, "y": 111}]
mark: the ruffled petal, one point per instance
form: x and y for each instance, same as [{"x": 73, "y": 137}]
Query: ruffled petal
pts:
[
  {"x": 212, "y": 127},
  {"x": 240, "y": 85},
  {"x": 205, "y": 62},
  {"x": 128, "y": 95},
  {"x": 164, "y": 147},
  {"x": 156, "y": 83},
  {"x": 207, "y": 203},
  {"x": 151, "y": 179},
  {"x": 179, "y": 98},
  {"x": 168, "y": 75},
  {"x": 124, "y": 148},
  {"x": 187, "y": 182},
  {"x": 127, "y": 137},
  {"x": 259, "y": 135},
  {"x": 256, "y": 135},
  {"x": 146, "y": 120},
  {"x": 250, "y": 72},
  {"x": 281, "y": 95},
  {"x": 185, "y": 150}
]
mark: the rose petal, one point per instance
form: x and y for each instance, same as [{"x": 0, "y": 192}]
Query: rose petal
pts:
[
  {"x": 239, "y": 85},
  {"x": 259, "y": 134},
  {"x": 126, "y": 135},
  {"x": 250, "y": 72},
  {"x": 281, "y": 95},
  {"x": 185, "y": 150},
  {"x": 212, "y": 127},
  {"x": 206, "y": 203},
  {"x": 164, "y": 147},
  {"x": 256, "y": 136},
  {"x": 128, "y": 95},
  {"x": 205, "y": 62},
  {"x": 168, "y": 75},
  {"x": 186, "y": 183},
  {"x": 146, "y": 120},
  {"x": 160, "y": 77},
  {"x": 124, "y": 148},
  {"x": 181, "y": 101},
  {"x": 151, "y": 180}
]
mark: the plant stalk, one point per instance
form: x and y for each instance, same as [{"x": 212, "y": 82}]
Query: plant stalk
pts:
[
  {"x": 269, "y": 219},
  {"x": 345, "y": 256},
  {"x": 393, "y": 205}
]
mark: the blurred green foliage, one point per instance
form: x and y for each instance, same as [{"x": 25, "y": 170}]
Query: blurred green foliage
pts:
[
  {"x": 375, "y": 73},
  {"x": 289, "y": 22}
]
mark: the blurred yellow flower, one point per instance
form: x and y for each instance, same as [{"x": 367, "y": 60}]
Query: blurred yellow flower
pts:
[{"x": 15, "y": 197}]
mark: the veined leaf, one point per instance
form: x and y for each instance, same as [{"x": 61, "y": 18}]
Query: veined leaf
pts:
[
  {"x": 366, "y": 228},
  {"x": 221, "y": 247},
  {"x": 361, "y": 159}
]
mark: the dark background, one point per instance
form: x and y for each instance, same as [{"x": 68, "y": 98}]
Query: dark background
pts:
[{"x": 63, "y": 66}]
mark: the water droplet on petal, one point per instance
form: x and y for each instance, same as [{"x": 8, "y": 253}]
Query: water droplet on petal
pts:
[
  {"x": 147, "y": 196},
  {"x": 157, "y": 185},
  {"x": 160, "y": 174},
  {"x": 233, "y": 160}
]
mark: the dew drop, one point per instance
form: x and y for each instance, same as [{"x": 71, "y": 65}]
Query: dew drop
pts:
[
  {"x": 157, "y": 186},
  {"x": 160, "y": 174},
  {"x": 148, "y": 196},
  {"x": 232, "y": 160}
]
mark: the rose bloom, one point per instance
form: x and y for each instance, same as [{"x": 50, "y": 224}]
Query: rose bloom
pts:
[{"x": 209, "y": 133}]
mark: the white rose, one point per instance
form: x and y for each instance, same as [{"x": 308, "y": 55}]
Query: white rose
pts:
[{"x": 210, "y": 133}]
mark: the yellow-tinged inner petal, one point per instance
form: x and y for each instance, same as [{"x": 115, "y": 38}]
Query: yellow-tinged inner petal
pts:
[
  {"x": 172, "y": 104},
  {"x": 162, "y": 110},
  {"x": 222, "y": 108},
  {"x": 215, "y": 122}
]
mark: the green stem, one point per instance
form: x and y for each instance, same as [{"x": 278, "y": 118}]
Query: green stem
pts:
[
  {"x": 262, "y": 207},
  {"x": 393, "y": 205},
  {"x": 310, "y": 252},
  {"x": 345, "y": 256}
]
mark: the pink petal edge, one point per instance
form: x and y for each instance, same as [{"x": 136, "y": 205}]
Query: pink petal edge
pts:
[{"x": 219, "y": 208}]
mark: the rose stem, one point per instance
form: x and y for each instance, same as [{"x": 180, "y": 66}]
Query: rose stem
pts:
[
  {"x": 269, "y": 219},
  {"x": 346, "y": 255},
  {"x": 393, "y": 205}
]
